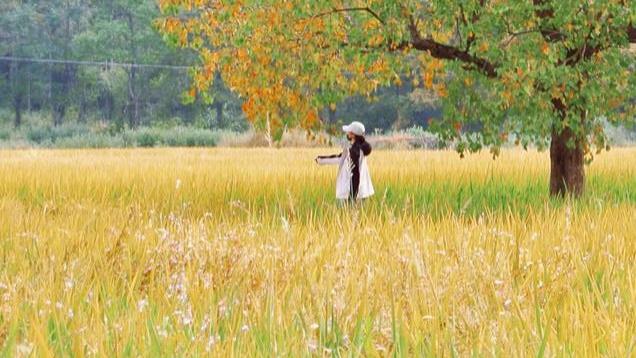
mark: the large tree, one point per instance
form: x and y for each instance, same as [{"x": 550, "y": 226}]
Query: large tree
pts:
[{"x": 546, "y": 72}]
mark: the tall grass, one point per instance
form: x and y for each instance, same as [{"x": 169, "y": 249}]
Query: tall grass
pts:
[{"x": 244, "y": 252}]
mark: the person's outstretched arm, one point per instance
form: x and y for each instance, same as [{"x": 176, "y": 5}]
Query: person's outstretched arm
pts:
[{"x": 328, "y": 159}]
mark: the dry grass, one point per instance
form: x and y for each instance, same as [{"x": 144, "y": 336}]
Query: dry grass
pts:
[{"x": 243, "y": 252}]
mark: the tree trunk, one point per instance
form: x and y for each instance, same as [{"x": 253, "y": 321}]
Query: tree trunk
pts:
[
  {"x": 61, "y": 78},
  {"x": 29, "y": 91},
  {"x": 106, "y": 104},
  {"x": 81, "y": 113},
  {"x": 133, "y": 98},
  {"x": 16, "y": 92},
  {"x": 63, "y": 75},
  {"x": 17, "y": 106},
  {"x": 567, "y": 175},
  {"x": 59, "y": 111},
  {"x": 219, "y": 114}
]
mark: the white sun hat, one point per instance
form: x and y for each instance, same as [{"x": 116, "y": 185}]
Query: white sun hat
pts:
[{"x": 356, "y": 128}]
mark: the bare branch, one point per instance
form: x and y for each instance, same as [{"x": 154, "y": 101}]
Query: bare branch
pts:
[
  {"x": 351, "y": 9},
  {"x": 514, "y": 35}
]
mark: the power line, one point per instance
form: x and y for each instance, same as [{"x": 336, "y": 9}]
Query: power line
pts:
[{"x": 93, "y": 63}]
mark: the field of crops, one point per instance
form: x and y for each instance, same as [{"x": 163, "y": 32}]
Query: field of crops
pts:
[{"x": 244, "y": 252}]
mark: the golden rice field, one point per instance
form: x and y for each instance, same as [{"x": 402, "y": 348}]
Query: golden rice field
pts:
[{"x": 244, "y": 252}]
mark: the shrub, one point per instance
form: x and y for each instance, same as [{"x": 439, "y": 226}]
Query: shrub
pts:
[
  {"x": 91, "y": 140},
  {"x": 146, "y": 137},
  {"x": 40, "y": 134},
  {"x": 37, "y": 134},
  {"x": 189, "y": 137},
  {"x": 5, "y": 133}
]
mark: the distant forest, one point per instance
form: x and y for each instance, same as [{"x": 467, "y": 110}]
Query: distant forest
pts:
[
  {"x": 84, "y": 60},
  {"x": 102, "y": 61}
]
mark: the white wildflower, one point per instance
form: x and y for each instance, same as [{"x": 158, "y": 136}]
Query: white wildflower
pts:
[
  {"x": 205, "y": 324},
  {"x": 161, "y": 332},
  {"x": 207, "y": 281},
  {"x": 345, "y": 340},
  {"x": 312, "y": 346},
  {"x": 223, "y": 311},
  {"x": 68, "y": 283},
  {"x": 142, "y": 304},
  {"x": 211, "y": 342},
  {"x": 89, "y": 296},
  {"x": 507, "y": 304},
  {"x": 163, "y": 234},
  {"x": 140, "y": 237},
  {"x": 24, "y": 349},
  {"x": 285, "y": 222},
  {"x": 185, "y": 316}
]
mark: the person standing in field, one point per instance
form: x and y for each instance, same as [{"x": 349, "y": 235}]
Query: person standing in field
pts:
[{"x": 353, "y": 181}]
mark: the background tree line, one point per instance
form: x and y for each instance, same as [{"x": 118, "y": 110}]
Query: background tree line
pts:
[
  {"x": 34, "y": 35},
  {"x": 112, "y": 31}
]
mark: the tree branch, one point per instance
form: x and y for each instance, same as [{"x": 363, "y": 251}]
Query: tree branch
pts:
[
  {"x": 470, "y": 39},
  {"x": 447, "y": 52},
  {"x": 514, "y": 35},
  {"x": 545, "y": 13},
  {"x": 351, "y": 9}
]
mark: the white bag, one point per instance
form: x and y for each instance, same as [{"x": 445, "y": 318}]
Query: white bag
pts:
[{"x": 343, "y": 178}]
